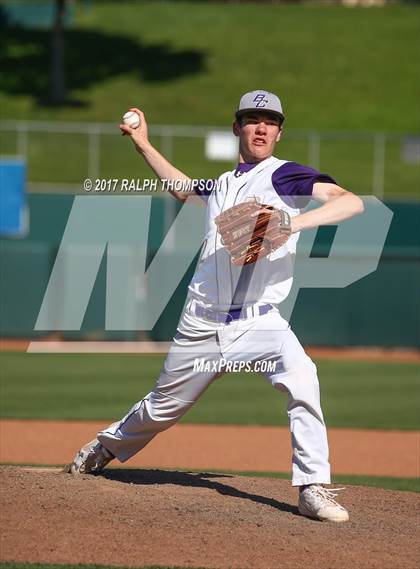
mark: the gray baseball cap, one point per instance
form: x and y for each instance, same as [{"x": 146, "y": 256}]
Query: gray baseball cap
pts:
[{"x": 260, "y": 101}]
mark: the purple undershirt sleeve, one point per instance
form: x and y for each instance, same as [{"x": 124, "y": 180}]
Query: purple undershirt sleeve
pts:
[
  {"x": 294, "y": 183},
  {"x": 203, "y": 188}
]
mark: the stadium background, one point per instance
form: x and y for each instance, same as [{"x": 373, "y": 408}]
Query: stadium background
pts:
[{"x": 349, "y": 83}]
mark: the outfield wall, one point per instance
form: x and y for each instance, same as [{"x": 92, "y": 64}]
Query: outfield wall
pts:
[{"x": 382, "y": 309}]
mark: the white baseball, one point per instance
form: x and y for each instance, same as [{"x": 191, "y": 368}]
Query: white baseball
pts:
[{"x": 131, "y": 119}]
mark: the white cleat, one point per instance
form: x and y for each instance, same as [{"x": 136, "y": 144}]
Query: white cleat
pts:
[
  {"x": 91, "y": 459},
  {"x": 318, "y": 502}
]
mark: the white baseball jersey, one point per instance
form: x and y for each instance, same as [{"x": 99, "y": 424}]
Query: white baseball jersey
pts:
[{"x": 220, "y": 284}]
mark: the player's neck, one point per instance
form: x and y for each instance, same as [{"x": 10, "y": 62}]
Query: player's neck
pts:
[{"x": 246, "y": 159}]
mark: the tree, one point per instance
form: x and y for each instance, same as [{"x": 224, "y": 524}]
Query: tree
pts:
[{"x": 58, "y": 86}]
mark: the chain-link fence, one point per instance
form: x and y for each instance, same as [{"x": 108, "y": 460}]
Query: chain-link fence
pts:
[{"x": 61, "y": 155}]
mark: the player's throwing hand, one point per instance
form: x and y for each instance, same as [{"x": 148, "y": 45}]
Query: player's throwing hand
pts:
[{"x": 138, "y": 135}]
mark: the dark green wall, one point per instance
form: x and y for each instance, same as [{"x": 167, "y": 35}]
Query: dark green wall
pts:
[{"x": 382, "y": 309}]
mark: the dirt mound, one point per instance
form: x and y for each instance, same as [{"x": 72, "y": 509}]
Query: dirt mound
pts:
[{"x": 138, "y": 517}]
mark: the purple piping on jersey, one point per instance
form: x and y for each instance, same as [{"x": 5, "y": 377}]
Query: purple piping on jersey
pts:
[
  {"x": 241, "y": 168},
  {"x": 294, "y": 183},
  {"x": 245, "y": 166}
]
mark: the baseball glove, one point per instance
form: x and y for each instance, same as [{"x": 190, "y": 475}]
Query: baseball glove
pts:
[{"x": 248, "y": 237}]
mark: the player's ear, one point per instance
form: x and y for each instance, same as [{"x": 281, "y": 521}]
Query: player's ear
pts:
[
  {"x": 279, "y": 134},
  {"x": 236, "y": 127}
]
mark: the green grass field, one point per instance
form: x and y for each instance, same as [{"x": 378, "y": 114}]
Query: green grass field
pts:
[
  {"x": 388, "y": 482},
  {"x": 96, "y": 386},
  {"x": 328, "y": 76},
  {"x": 158, "y": 54}
]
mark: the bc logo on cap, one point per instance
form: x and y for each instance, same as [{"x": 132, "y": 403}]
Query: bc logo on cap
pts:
[{"x": 259, "y": 99}]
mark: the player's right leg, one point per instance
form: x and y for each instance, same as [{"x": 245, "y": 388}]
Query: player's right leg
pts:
[{"x": 179, "y": 386}]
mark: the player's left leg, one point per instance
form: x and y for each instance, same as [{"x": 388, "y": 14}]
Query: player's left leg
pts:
[
  {"x": 310, "y": 464},
  {"x": 269, "y": 338},
  {"x": 296, "y": 374}
]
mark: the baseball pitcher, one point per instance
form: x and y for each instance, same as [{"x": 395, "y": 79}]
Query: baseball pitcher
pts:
[{"x": 253, "y": 222}]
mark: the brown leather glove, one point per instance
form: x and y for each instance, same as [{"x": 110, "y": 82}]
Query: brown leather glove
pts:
[{"x": 248, "y": 238}]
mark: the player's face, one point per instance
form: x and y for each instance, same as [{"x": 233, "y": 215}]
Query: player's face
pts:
[{"x": 258, "y": 134}]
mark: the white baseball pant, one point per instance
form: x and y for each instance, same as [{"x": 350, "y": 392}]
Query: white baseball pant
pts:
[{"x": 179, "y": 386}]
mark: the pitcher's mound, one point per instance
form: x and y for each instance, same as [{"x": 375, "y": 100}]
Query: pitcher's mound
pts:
[{"x": 153, "y": 517}]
